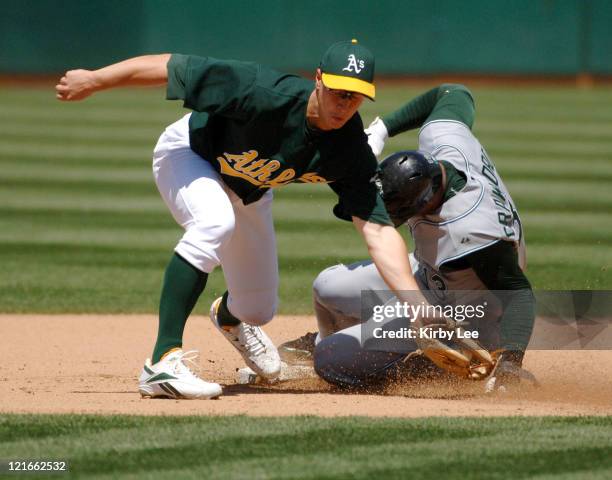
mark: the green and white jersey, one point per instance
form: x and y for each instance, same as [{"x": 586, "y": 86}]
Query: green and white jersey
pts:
[
  {"x": 479, "y": 215},
  {"x": 249, "y": 122},
  {"x": 467, "y": 246}
]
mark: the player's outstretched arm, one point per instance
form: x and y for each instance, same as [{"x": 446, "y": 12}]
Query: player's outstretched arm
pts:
[
  {"x": 388, "y": 251},
  {"x": 147, "y": 70},
  {"x": 445, "y": 102},
  {"x": 389, "y": 254}
]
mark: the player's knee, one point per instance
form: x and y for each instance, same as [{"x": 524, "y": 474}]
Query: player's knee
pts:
[
  {"x": 255, "y": 309},
  {"x": 257, "y": 317},
  {"x": 327, "y": 287}
]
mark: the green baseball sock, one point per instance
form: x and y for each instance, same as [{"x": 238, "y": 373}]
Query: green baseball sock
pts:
[
  {"x": 224, "y": 317},
  {"x": 183, "y": 285}
]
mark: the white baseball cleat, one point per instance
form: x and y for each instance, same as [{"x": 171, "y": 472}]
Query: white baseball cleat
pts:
[
  {"x": 172, "y": 378},
  {"x": 256, "y": 348}
]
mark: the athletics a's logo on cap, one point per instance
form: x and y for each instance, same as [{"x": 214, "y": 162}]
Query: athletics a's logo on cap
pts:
[
  {"x": 349, "y": 66},
  {"x": 354, "y": 65}
]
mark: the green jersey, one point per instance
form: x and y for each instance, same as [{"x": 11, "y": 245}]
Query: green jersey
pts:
[{"x": 249, "y": 122}]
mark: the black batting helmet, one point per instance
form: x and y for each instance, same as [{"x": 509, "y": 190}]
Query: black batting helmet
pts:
[{"x": 406, "y": 180}]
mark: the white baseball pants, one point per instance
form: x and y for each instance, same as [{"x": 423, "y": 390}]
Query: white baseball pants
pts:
[{"x": 219, "y": 228}]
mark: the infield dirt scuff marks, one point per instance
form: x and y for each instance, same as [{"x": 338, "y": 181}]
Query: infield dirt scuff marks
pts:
[{"x": 90, "y": 364}]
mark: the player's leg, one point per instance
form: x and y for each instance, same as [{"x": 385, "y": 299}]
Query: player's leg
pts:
[
  {"x": 188, "y": 186},
  {"x": 354, "y": 357},
  {"x": 337, "y": 303},
  {"x": 250, "y": 267},
  {"x": 337, "y": 294},
  {"x": 250, "y": 263}
]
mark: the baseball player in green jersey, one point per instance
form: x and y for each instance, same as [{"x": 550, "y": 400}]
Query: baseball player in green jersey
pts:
[
  {"x": 251, "y": 129},
  {"x": 469, "y": 250}
]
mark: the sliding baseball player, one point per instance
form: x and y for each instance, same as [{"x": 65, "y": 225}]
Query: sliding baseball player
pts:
[{"x": 469, "y": 253}]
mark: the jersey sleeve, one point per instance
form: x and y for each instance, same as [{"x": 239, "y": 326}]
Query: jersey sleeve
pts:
[
  {"x": 445, "y": 102},
  {"x": 455, "y": 180},
  {"x": 366, "y": 203},
  {"x": 206, "y": 84},
  {"x": 454, "y": 102},
  {"x": 358, "y": 195}
]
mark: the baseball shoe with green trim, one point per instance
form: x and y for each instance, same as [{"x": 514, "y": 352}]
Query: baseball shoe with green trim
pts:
[{"x": 172, "y": 378}]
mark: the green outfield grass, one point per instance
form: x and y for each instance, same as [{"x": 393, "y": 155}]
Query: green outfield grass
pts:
[
  {"x": 82, "y": 227},
  {"x": 309, "y": 447}
]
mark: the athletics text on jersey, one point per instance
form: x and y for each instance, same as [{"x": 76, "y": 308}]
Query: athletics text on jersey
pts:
[{"x": 249, "y": 122}]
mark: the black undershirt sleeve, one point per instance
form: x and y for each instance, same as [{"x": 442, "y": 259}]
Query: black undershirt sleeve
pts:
[{"x": 498, "y": 268}]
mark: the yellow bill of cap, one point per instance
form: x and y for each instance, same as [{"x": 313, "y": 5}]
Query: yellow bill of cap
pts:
[{"x": 350, "y": 84}]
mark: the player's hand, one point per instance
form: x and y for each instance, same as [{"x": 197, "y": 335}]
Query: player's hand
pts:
[
  {"x": 377, "y": 136},
  {"x": 76, "y": 85}
]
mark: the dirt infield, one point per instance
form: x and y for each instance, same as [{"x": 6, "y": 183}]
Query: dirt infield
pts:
[{"x": 90, "y": 364}]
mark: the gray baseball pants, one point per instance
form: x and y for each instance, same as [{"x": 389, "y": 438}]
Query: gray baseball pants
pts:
[{"x": 347, "y": 353}]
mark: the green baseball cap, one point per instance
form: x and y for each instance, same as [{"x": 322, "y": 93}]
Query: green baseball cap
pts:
[{"x": 349, "y": 66}]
